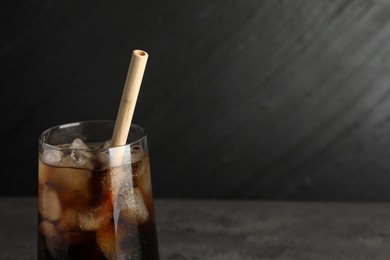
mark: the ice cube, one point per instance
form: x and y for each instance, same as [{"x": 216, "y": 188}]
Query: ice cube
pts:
[
  {"x": 121, "y": 171},
  {"x": 74, "y": 186},
  {"x": 44, "y": 173},
  {"x": 104, "y": 158},
  {"x": 107, "y": 144},
  {"x": 49, "y": 230},
  {"x": 133, "y": 207},
  {"x": 69, "y": 220},
  {"x": 78, "y": 157},
  {"x": 117, "y": 243},
  {"x": 120, "y": 156},
  {"x": 52, "y": 157},
  {"x": 49, "y": 204},
  {"x": 53, "y": 238},
  {"x": 127, "y": 239},
  {"x": 125, "y": 155},
  {"x": 137, "y": 153},
  {"x": 105, "y": 238},
  {"x": 95, "y": 218},
  {"x": 78, "y": 144},
  {"x": 143, "y": 180},
  {"x": 121, "y": 177}
]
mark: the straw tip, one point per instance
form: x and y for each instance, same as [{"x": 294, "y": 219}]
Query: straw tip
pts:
[{"x": 140, "y": 53}]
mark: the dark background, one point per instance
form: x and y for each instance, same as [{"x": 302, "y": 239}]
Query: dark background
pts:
[{"x": 241, "y": 99}]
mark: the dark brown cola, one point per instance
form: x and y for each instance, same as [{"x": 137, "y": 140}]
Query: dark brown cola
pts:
[{"x": 93, "y": 208}]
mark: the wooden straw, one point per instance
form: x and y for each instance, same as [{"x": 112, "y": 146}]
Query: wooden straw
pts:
[{"x": 129, "y": 97}]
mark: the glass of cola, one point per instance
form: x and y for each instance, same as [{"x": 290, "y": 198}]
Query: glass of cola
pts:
[{"x": 95, "y": 201}]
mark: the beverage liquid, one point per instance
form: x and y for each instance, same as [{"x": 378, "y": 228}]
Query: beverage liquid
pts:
[{"x": 89, "y": 209}]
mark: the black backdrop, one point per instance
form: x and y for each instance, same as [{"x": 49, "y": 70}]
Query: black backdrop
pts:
[{"x": 241, "y": 99}]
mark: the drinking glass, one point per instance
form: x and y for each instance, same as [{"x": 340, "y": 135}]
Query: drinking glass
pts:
[{"x": 95, "y": 201}]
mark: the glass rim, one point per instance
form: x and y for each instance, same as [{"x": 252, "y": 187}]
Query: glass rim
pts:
[{"x": 66, "y": 125}]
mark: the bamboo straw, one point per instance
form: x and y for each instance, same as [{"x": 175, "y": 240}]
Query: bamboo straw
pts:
[{"x": 129, "y": 97}]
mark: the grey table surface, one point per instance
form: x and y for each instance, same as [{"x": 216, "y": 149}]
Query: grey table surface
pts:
[{"x": 194, "y": 229}]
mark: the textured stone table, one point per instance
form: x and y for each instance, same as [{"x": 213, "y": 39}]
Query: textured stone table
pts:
[{"x": 236, "y": 230}]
